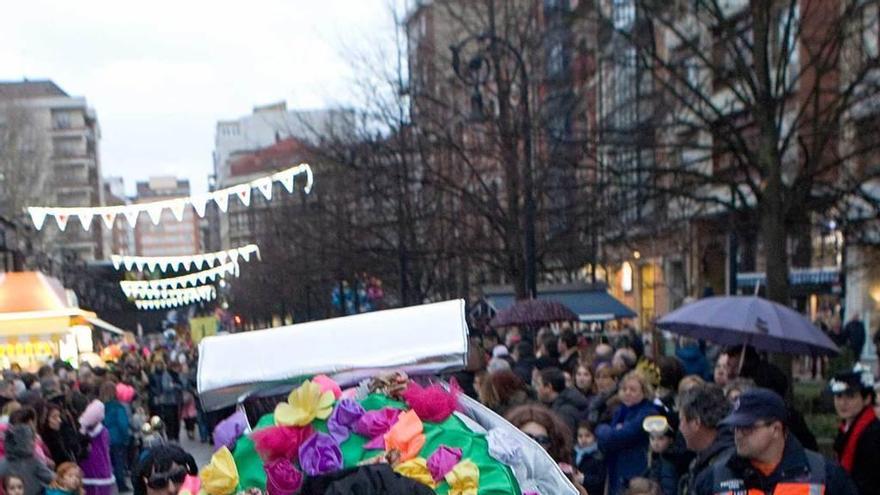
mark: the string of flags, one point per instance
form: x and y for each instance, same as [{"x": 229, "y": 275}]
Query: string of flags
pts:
[
  {"x": 177, "y": 206},
  {"x": 190, "y": 280},
  {"x": 178, "y": 263},
  {"x": 202, "y": 292},
  {"x": 172, "y": 302}
]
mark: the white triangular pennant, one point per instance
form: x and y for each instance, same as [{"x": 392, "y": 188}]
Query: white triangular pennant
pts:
[
  {"x": 199, "y": 261},
  {"x": 177, "y": 208},
  {"x": 199, "y": 203},
  {"x": 165, "y": 265},
  {"x": 155, "y": 213},
  {"x": 244, "y": 194},
  {"x": 85, "y": 218},
  {"x": 151, "y": 265},
  {"x": 38, "y": 216},
  {"x": 117, "y": 261},
  {"x": 129, "y": 263},
  {"x": 61, "y": 219},
  {"x": 210, "y": 258},
  {"x": 202, "y": 278},
  {"x": 233, "y": 255},
  {"x": 245, "y": 254},
  {"x": 286, "y": 179},
  {"x": 222, "y": 199},
  {"x": 131, "y": 214},
  {"x": 139, "y": 264},
  {"x": 108, "y": 217},
  {"x": 265, "y": 187},
  {"x": 178, "y": 265}
]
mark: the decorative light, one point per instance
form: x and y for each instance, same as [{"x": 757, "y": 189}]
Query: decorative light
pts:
[
  {"x": 177, "y": 206},
  {"x": 626, "y": 279}
]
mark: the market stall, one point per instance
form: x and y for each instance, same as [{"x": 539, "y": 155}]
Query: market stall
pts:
[{"x": 39, "y": 320}]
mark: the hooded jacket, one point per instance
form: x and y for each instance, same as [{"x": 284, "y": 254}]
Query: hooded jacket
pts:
[
  {"x": 21, "y": 461},
  {"x": 571, "y": 406}
]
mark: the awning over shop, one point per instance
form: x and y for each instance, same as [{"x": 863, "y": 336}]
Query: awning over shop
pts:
[
  {"x": 796, "y": 276},
  {"x": 590, "y": 302},
  {"x": 103, "y": 325}
]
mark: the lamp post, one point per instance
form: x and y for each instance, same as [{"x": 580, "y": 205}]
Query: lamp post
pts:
[{"x": 484, "y": 56}]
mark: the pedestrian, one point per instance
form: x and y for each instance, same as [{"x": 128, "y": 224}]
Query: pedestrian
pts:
[
  {"x": 68, "y": 480},
  {"x": 767, "y": 455},
  {"x": 162, "y": 470},
  {"x": 21, "y": 461},
  {"x": 700, "y": 410},
  {"x": 664, "y": 454},
  {"x": 97, "y": 468},
  {"x": 624, "y": 442},
  {"x": 567, "y": 345},
  {"x": 13, "y": 485},
  {"x": 854, "y": 336},
  {"x": 589, "y": 459},
  {"x": 858, "y": 441},
  {"x": 166, "y": 393},
  {"x": 567, "y": 402},
  {"x": 118, "y": 424},
  {"x": 502, "y": 390}
]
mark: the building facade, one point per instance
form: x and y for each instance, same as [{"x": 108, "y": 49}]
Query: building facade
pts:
[
  {"x": 62, "y": 163},
  {"x": 169, "y": 237}
]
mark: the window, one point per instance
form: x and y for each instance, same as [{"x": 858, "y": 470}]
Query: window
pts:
[
  {"x": 61, "y": 120},
  {"x": 556, "y": 59},
  {"x": 623, "y": 14}
]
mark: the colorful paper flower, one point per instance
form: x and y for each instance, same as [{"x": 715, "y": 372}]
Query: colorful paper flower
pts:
[
  {"x": 406, "y": 436},
  {"x": 416, "y": 469},
  {"x": 304, "y": 404},
  {"x": 431, "y": 403},
  {"x": 228, "y": 431},
  {"x": 320, "y": 454},
  {"x": 346, "y": 413},
  {"x": 280, "y": 442},
  {"x": 282, "y": 478},
  {"x": 220, "y": 476},
  {"x": 327, "y": 385},
  {"x": 374, "y": 424},
  {"x": 464, "y": 478},
  {"x": 442, "y": 461}
]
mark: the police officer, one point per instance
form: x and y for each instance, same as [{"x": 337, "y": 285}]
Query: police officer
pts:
[{"x": 768, "y": 460}]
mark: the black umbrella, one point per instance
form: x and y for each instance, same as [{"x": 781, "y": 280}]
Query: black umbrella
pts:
[{"x": 533, "y": 312}]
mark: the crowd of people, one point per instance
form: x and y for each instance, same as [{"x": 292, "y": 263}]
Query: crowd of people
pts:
[
  {"x": 93, "y": 430},
  {"x": 706, "y": 420}
]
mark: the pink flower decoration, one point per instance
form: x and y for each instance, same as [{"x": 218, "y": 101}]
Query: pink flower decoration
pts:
[
  {"x": 328, "y": 385},
  {"x": 280, "y": 442},
  {"x": 431, "y": 403},
  {"x": 442, "y": 461},
  {"x": 282, "y": 478},
  {"x": 376, "y": 423}
]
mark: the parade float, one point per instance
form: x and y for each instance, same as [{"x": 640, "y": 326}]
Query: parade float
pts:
[{"x": 358, "y": 401}]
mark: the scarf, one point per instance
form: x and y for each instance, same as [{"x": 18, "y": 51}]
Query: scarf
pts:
[{"x": 848, "y": 457}]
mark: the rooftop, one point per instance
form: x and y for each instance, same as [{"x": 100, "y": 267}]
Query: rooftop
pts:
[{"x": 17, "y": 90}]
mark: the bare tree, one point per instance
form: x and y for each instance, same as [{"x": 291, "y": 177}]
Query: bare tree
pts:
[{"x": 25, "y": 154}]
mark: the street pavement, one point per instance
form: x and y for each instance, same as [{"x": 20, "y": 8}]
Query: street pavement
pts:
[{"x": 200, "y": 451}]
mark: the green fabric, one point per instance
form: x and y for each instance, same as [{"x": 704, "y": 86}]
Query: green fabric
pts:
[{"x": 496, "y": 478}]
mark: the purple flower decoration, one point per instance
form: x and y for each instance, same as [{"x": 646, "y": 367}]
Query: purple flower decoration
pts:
[
  {"x": 228, "y": 431},
  {"x": 282, "y": 478},
  {"x": 376, "y": 423},
  {"x": 320, "y": 454},
  {"x": 343, "y": 418},
  {"x": 442, "y": 461}
]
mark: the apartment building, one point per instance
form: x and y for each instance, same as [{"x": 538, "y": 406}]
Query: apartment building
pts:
[{"x": 169, "y": 237}]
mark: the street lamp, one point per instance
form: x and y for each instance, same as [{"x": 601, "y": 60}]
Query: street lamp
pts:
[{"x": 485, "y": 54}]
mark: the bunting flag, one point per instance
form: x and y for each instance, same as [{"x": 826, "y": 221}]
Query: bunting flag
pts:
[
  {"x": 172, "y": 302},
  {"x": 177, "y": 206},
  {"x": 202, "y": 293},
  {"x": 189, "y": 262},
  {"x": 190, "y": 280}
]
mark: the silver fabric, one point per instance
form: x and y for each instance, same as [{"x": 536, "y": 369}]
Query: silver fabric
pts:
[{"x": 421, "y": 340}]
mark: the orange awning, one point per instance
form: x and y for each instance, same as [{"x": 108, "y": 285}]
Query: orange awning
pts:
[{"x": 32, "y": 303}]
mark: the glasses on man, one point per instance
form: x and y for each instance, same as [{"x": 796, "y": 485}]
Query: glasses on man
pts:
[{"x": 157, "y": 481}]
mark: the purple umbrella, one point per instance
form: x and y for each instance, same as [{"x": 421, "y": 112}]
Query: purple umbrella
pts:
[
  {"x": 762, "y": 324},
  {"x": 530, "y": 312}
]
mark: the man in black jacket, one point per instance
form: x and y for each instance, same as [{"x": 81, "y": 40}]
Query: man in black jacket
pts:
[
  {"x": 568, "y": 403},
  {"x": 700, "y": 409},
  {"x": 858, "y": 442},
  {"x": 767, "y": 456}
]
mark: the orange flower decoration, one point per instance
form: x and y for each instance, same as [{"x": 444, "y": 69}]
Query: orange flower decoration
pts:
[{"x": 406, "y": 436}]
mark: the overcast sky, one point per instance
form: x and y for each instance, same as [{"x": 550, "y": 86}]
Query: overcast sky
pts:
[{"x": 161, "y": 73}]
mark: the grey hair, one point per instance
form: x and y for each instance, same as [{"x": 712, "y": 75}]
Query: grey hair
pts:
[{"x": 705, "y": 402}]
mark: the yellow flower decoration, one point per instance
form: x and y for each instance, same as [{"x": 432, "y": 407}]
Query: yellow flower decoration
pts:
[
  {"x": 417, "y": 469},
  {"x": 464, "y": 478},
  {"x": 304, "y": 404},
  {"x": 220, "y": 477}
]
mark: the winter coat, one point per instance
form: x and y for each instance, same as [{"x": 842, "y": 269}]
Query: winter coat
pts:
[
  {"x": 97, "y": 470},
  {"x": 592, "y": 466},
  {"x": 866, "y": 465},
  {"x": 625, "y": 444},
  {"x": 664, "y": 469},
  {"x": 571, "y": 406},
  {"x": 118, "y": 423},
  {"x": 523, "y": 369},
  {"x": 722, "y": 446},
  {"x": 737, "y": 474},
  {"x": 21, "y": 461}
]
